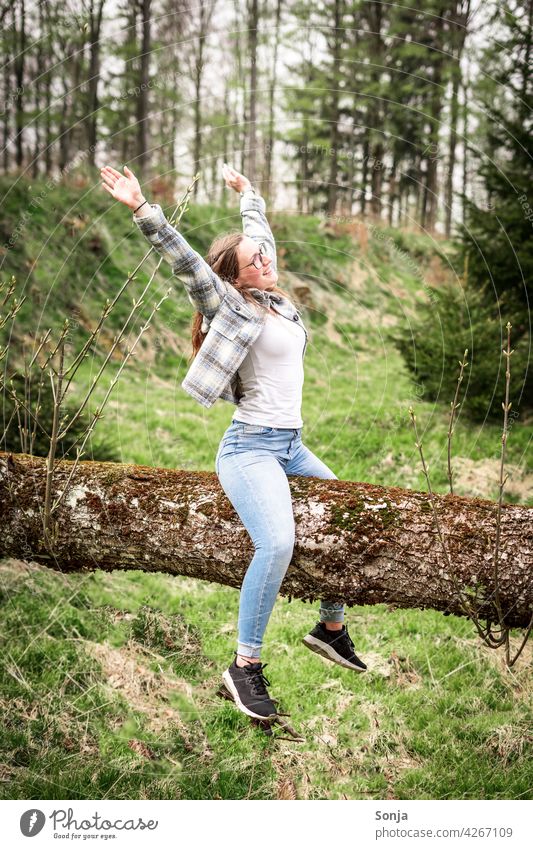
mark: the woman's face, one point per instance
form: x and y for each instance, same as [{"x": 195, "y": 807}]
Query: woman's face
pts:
[{"x": 260, "y": 278}]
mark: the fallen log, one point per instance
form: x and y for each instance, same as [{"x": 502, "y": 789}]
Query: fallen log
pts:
[{"x": 355, "y": 542}]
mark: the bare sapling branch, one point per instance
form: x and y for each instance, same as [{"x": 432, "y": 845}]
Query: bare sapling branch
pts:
[
  {"x": 60, "y": 345},
  {"x": 464, "y": 601},
  {"x": 37, "y": 411},
  {"x": 56, "y": 391},
  {"x": 495, "y": 633},
  {"x": 454, "y": 406},
  {"x": 9, "y": 290},
  {"x": 462, "y": 595},
  {"x": 11, "y": 313},
  {"x": 98, "y": 412},
  {"x": 41, "y": 345},
  {"x": 11, "y": 391},
  {"x": 175, "y": 218},
  {"x": 15, "y": 304},
  {"x": 61, "y": 376},
  {"x": 179, "y": 211},
  {"x": 510, "y": 661}
]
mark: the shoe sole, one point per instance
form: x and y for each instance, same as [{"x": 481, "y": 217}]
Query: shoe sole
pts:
[
  {"x": 228, "y": 680},
  {"x": 329, "y": 653}
]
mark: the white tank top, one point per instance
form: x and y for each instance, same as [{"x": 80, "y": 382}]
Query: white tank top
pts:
[{"x": 272, "y": 375}]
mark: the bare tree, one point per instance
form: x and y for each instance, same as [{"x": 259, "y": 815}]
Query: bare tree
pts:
[
  {"x": 142, "y": 158},
  {"x": 459, "y": 22},
  {"x": 19, "y": 60},
  {"x": 267, "y": 188},
  {"x": 95, "y": 15},
  {"x": 253, "y": 24},
  {"x": 200, "y": 16}
]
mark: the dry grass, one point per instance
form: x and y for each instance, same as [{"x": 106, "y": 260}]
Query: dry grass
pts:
[
  {"x": 148, "y": 692},
  {"x": 480, "y": 479},
  {"x": 510, "y": 742}
]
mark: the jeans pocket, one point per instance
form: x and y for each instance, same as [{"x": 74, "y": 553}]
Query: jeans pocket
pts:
[{"x": 227, "y": 446}]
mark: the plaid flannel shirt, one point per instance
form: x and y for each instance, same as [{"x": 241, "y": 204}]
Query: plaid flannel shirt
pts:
[{"x": 232, "y": 324}]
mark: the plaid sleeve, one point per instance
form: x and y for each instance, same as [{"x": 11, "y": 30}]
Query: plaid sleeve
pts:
[
  {"x": 204, "y": 288},
  {"x": 255, "y": 224}
]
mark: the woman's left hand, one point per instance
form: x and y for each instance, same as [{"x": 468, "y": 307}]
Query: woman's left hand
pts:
[{"x": 234, "y": 180}]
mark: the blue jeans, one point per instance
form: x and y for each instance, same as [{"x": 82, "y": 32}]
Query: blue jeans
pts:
[{"x": 252, "y": 465}]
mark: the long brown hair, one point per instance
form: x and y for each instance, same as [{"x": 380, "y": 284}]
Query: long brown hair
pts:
[{"x": 223, "y": 259}]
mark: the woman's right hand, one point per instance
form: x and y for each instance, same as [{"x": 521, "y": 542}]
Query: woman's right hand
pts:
[
  {"x": 235, "y": 180},
  {"x": 126, "y": 188}
]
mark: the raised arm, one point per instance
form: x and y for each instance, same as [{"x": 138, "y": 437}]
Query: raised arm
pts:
[
  {"x": 204, "y": 288},
  {"x": 254, "y": 221},
  {"x": 255, "y": 224}
]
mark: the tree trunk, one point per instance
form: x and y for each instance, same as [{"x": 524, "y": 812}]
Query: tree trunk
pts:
[
  {"x": 95, "y": 18},
  {"x": 9, "y": 47},
  {"x": 350, "y": 190},
  {"x": 268, "y": 190},
  {"x": 334, "y": 139},
  {"x": 357, "y": 542},
  {"x": 302, "y": 191},
  {"x": 142, "y": 160},
  {"x": 64, "y": 124},
  {"x": 393, "y": 189},
  {"x": 197, "y": 149},
  {"x": 37, "y": 97},
  {"x": 376, "y": 17},
  {"x": 454, "y": 116},
  {"x": 460, "y": 23},
  {"x": 526, "y": 64},
  {"x": 364, "y": 171},
  {"x": 253, "y": 23},
  {"x": 431, "y": 187},
  {"x": 205, "y": 13},
  {"x": 47, "y": 74},
  {"x": 19, "y": 62}
]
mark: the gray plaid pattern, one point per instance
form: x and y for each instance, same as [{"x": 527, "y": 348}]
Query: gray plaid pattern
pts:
[{"x": 233, "y": 323}]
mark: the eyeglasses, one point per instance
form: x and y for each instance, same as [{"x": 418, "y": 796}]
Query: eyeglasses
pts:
[{"x": 257, "y": 259}]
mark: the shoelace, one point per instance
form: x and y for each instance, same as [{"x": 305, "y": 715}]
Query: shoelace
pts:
[
  {"x": 257, "y": 680},
  {"x": 345, "y": 637}
]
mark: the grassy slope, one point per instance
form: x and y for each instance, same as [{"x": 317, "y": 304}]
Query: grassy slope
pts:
[{"x": 108, "y": 684}]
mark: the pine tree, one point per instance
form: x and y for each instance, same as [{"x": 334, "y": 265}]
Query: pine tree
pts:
[
  {"x": 497, "y": 239},
  {"x": 496, "y": 243}
]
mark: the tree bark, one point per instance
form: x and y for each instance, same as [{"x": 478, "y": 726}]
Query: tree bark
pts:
[
  {"x": 37, "y": 105},
  {"x": 19, "y": 63},
  {"x": 253, "y": 23},
  {"x": 143, "y": 156},
  {"x": 430, "y": 201},
  {"x": 268, "y": 189},
  {"x": 334, "y": 111},
  {"x": 96, "y": 11},
  {"x": 357, "y": 542},
  {"x": 8, "y": 47},
  {"x": 205, "y": 14}
]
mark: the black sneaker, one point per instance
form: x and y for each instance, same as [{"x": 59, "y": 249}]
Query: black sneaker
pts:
[
  {"x": 334, "y": 645},
  {"x": 247, "y": 686}
]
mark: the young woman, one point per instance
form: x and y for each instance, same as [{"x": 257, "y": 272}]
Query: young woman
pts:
[{"x": 248, "y": 344}]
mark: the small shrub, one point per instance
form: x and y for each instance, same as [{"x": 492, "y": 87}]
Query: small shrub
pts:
[
  {"x": 432, "y": 346},
  {"x": 104, "y": 451}
]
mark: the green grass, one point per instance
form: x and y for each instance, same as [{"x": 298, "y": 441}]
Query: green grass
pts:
[
  {"x": 108, "y": 691},
  {"x": 109, "y": 680}
]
